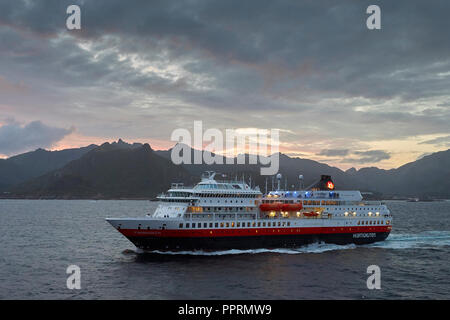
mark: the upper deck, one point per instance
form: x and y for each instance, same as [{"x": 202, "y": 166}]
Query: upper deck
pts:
[
  {"x": 342, "y": 195},
  {"x": 219, "y": 199},
  {"x": 211, "y": 188}
]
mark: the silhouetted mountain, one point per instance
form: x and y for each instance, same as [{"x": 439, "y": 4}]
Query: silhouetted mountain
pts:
[
  {"x": 20, "y": 168},
  {"x": 426, "y": 177},
  {"x": 290, "y": 168},
  {"x": 127, "y": 170},
  {"x": 109, "y": 171}
]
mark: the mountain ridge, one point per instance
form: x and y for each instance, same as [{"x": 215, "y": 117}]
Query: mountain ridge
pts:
[{"x": 120, "y": 169}]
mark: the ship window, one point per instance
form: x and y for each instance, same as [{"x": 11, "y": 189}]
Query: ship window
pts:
[
  {"x": 187, "y": 225},
  {"x": 205, "y": 225},
  {"x": 259, "y": 224},
  {"x": 254, "y": 224},
  {"x": 238, "y": 224},
  {"x": 232, "y": 224},
  {"x": 248, "y": 224},
  {"x": 289, "y": 223},
  {"x": 279, "y": 223},
  {"x": 181, "y": 225},
  {"x": 264, "y": 224},
  {"x": 221, "y": 224},
  {"x": 227, "y": 225},
  {"x": 193, "y": 225}
]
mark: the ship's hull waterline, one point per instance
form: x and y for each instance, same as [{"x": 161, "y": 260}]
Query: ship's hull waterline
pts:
[{"x": 175, "y": 243}]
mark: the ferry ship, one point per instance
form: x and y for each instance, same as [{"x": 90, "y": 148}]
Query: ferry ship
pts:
[{"x": 222, "y": 215}]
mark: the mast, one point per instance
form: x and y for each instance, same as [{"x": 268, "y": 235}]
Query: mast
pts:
[{"x": 278, "y": 181}]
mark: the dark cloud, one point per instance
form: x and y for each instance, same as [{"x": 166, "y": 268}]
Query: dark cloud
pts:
[
  {"x": 16, "y": 138},
  {"x": 142, "y": 68},
  {"x": 371, "y": 156},
  {"x": 440, "y": 141},
  {"x": 334, "y": 152},
  {"x": 360, "y": 157}
]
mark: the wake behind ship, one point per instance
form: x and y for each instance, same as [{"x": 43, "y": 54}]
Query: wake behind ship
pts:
[{"x": 223, "y": 215}]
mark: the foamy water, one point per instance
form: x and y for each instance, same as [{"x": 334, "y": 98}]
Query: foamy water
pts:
[
  {"x": 422, "y": 240},
  {"x": 310, "y": 248}
]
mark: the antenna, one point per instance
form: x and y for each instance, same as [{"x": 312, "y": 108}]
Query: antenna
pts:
[
  {"x": 278, "y": 181},
  {"x": 266, "y": 186}
]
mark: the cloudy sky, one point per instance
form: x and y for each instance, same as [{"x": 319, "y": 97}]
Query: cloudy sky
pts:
[{"x": 137, "y": 70}]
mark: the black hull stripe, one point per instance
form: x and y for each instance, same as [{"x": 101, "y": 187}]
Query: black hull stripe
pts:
[{"x": 253, "y": 242}]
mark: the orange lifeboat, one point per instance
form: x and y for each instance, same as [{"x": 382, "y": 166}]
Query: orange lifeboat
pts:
[
  {"x": 276, "y": 206},
  {"x": 291, "y": 207}
]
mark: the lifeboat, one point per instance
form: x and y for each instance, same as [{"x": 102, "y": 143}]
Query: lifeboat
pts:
[
  {"x": 276, "y": 206},
  {"x": 291, "y": 207},
  {"x": 310, "y": 214}
]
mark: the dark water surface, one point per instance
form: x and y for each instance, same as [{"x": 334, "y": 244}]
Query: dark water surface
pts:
[{"x": 41, "y": 238}]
